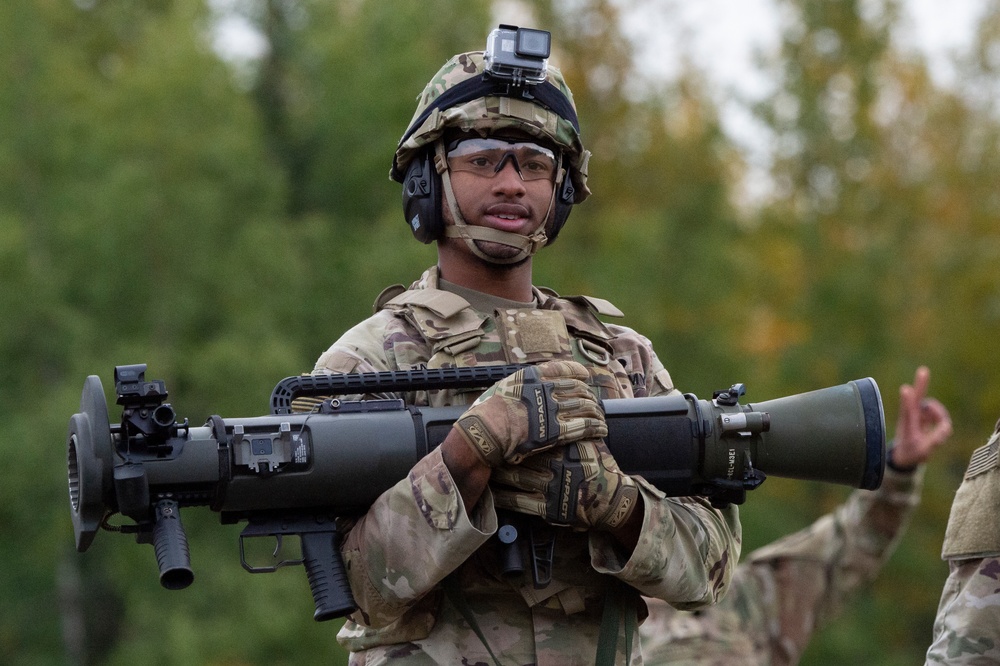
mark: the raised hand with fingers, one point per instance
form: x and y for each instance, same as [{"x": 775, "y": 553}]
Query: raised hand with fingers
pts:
[{"x": 923, "y": 423}]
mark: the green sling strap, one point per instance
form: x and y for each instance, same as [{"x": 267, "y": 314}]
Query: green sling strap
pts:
[
  {"x": 457, "y": 599},
  {"x": 617, "y": 608}
]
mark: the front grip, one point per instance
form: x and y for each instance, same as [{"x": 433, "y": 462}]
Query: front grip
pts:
[
  {"x": 171, "y": 546},
  {"x": 327, "y": 577}
]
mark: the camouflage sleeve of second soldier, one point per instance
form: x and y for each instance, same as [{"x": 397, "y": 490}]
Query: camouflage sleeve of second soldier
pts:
[{"x": 812, "y": 574}]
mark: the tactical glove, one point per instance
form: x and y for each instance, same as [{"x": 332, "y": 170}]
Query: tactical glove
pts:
[
  {"x": 579, "y": 485},
  {"x": 532, "y": 410}
]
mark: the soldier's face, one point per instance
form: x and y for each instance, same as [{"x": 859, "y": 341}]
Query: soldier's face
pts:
[{"x": 502, "y": 200}]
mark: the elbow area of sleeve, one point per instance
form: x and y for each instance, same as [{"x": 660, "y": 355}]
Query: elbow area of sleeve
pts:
[
  {"x": 687, "y": 551},
  {"x": 413, "y": 536}
]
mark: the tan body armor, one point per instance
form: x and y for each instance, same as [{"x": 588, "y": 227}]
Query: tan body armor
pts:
[
  {"x": 428, "y": 327},
  {"x": 439, "y": 329}
]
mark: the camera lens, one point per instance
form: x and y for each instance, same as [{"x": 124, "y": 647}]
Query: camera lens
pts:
[{"x": 533, "y": 43}]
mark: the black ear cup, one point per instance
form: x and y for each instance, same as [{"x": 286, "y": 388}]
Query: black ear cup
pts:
[
  {"x": 563, "y": 205},
  {"x": 422, "y": 200}
]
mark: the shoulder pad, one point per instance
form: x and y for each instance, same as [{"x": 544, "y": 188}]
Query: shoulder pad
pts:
[
  {"x": 442, "y": 303},
  {"x": 596, "y": 305},
  {"x": 387, "y": 295},
  {"x": 603, "y": 307}
]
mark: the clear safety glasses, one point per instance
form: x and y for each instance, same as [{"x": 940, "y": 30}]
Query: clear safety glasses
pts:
[{"x": 486, "y": 158}]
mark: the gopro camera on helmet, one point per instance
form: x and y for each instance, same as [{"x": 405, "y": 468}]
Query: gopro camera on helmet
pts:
[{"x": 518, "y": 55}]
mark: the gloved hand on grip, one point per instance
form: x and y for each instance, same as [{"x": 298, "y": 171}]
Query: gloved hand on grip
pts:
[
  {"x": 579, "y": 485},
  {"x": 532, "y": 410}
]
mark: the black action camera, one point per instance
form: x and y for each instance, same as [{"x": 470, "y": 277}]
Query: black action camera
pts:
[{"x": 518, "y": 55}]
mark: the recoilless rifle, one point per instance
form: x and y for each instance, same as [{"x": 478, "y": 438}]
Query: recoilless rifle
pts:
[{"x": 295, "y": 474}]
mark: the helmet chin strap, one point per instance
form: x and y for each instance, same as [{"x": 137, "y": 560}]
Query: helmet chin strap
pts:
[{"x": 526, "y": 245}]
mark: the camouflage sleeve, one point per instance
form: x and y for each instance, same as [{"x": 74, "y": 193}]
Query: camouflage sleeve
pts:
[
  {"x": 784, "y": 591},
  {"x": 360, "y": 349},
  {"x": 732, "y": 631},
  {"x": 686, "y": 553},
  {"x": 812, "y": 574},
  {"x": 967, "y": 626},
  {"x": 413, "y": 536}
]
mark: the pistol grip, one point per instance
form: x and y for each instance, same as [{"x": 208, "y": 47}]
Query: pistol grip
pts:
[{"x": 327, "y": 577}]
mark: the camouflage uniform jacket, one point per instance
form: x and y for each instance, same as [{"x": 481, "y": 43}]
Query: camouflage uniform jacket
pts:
[
  {"x": 781, "y": 593},
  {"x": 416, "y": 545},
  {"x": 967, "y": 626}
]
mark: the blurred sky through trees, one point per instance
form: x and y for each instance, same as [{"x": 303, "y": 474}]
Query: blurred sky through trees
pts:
[{"x": 725, "y": 39}]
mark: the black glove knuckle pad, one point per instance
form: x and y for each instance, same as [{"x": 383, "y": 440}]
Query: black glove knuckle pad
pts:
[
  {"x": 543, "y": 429},
  {"x": 562, "y": 493}
]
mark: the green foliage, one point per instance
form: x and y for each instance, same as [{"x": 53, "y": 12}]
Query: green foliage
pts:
[
  {"x": 337, "y": 97},
  {"x": 155, "y": 207}
]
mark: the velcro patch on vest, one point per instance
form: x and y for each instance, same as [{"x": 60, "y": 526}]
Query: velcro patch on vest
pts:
[
  {"x": 985, "y": 458},
  {"x": 973, "y": 529},
  {"x": 532, "y": 335}
]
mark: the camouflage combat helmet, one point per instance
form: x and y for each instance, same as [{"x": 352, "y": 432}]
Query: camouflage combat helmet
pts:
[{"x": 459, "y": 98}]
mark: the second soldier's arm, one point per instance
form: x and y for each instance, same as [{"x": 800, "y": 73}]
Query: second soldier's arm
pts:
[
  {"x": 813, "y": 574},
  {"x": 786, "y": 590}
]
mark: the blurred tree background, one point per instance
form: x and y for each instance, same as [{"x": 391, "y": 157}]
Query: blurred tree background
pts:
[{"x": 225, "y": 221}]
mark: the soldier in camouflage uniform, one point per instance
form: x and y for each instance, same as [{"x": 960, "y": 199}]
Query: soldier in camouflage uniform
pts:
[
  {"x": 967, "y": 626},
  {"x": 490, "y": 176},
  {"x": 782, "y": 593}
]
